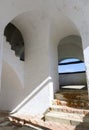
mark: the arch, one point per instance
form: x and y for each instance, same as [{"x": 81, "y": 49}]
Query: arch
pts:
[
  {"x": 71, "y": 73},
  {"x": 61, "y": 27},
  {"x": 70, "y": 46},
  {"x": 15, "y": 39}
]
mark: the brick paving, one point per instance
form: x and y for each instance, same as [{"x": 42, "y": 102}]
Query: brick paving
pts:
[
  {"x": 19, "y": 121},
  {"x": 25, "y": 120}
]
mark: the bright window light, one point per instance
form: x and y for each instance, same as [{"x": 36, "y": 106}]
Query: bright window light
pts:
[{"x": 71, "y": 65}]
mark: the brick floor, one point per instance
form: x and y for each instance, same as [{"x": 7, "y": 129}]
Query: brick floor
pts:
[
  {"x": 37, "y": 122},
  {"x": 19, "y": 121}
]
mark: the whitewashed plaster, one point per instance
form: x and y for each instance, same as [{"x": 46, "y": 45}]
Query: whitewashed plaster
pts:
[{"x": 14, "y": 61}]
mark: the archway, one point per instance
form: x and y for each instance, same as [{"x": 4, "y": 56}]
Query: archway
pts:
[
  {"x": 15, "y": 39},
  {"x": 71, "y": 63}
]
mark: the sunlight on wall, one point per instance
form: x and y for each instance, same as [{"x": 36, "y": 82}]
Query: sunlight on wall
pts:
[{"x": 46, "y": 83}]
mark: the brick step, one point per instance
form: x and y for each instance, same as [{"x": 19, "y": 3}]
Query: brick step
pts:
[
  {"x": 67, "y": 115},
  {"x": 65, "y": 109},
  {"x": 81, "y": 104},
  {"x": 67, "y": 118},
  {"x": 72, "y": 94},
  {"x": 69, "y": 107}
]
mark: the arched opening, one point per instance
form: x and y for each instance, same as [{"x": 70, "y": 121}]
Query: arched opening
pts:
[
  {"x": 15, "y": 39},
  {"x": 71, "y": 67}
]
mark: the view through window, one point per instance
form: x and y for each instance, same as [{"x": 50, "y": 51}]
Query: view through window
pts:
[{"x": 71, "y": 65}]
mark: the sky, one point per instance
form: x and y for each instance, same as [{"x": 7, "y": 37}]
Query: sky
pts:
[{"x": 71, "y": 67}]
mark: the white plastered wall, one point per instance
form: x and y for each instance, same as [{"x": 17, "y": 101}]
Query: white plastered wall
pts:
[
  {"x": 13, "y": 60},
  {"x": 11, "y": 91},
  {"x": 12, "y": 78}
]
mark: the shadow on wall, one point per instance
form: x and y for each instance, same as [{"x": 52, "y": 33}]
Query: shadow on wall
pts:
[
  {"x": 85, "y": 124},
  {"x": 40, "y": 96},
  {"x": 11, "y": 88},
  {"x": 13, "y": 96}
]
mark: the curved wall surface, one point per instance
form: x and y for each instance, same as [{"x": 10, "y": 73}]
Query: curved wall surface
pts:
[{"x": 11, "y": 91}]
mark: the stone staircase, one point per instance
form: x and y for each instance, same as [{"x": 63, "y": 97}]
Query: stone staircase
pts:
[
  {"x": 73, "y": 98},
  {"x": 69, "y": 107}
]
